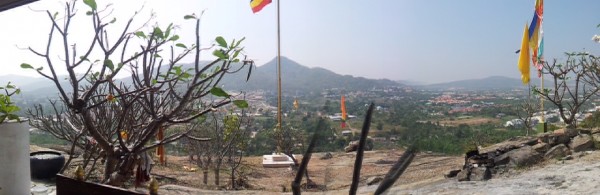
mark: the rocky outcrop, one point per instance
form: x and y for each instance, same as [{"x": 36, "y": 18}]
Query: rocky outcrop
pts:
[
  {"x": 523, "y": 156},
  {"x": 525, "y": 151},
  {"x": 581, "y": 142},
  {"x": 557, "y": 152}
]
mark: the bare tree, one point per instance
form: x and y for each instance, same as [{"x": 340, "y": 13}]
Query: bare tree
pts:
[
  {"x": 573, "y": 84},
  {"x": 122, "y": 117},
  {"x": 525, "y": 111},
  {"x": 228, "y": 135}
]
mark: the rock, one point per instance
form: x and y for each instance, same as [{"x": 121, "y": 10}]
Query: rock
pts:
[
  {"x": 568, "y": 157},
  {"x": 480, "y": 174},
  {"x": 510, "y": 144},
  {"x": 581, "y": 142},
  {"x": 595, "y": 130},
  {"x": 327, "y": 156},
  {"x": 352, "y": 146},
  {"x": 585, "y": 131},
  {"x": 555, "y": 138},
  {"x": 502, "y": 159},
  {"x": 541, "y": 147},
  {"x": 452, "y": 173},
  {"x": 463, "y": 175},
  {"x": 557, "y": 151},
  {"x": 373, "y": 180},
  {"x": 523, "y": 156},
  {"x": 596, "y": 138}
]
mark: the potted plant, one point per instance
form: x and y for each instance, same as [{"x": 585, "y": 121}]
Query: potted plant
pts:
[{"x": 14, "y": 146}]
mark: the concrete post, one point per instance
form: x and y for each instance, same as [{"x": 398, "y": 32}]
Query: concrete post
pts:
[{"x": 15, "y": 176}]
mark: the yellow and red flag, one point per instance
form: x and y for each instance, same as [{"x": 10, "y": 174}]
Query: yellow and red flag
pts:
[{"x": 257, "y": 5}]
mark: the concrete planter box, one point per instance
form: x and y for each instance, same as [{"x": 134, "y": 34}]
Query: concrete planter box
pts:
[{"x": 15, "y": 175}]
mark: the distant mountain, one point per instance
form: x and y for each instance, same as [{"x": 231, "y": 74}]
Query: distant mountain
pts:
[
  {"x": 296, "y": 77},
  {"x": 489, "y": 83}
]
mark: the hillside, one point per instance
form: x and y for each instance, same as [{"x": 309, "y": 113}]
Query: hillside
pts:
[
  {"x": 488, "y": 83},
  {"x": 296, "y": 77}
]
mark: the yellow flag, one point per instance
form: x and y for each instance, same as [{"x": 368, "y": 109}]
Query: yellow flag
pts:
[{"x": 524, "y": 56}]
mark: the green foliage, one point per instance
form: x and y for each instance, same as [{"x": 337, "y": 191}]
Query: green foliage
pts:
[
  {"x": 216, "y": 91},
  {"x": 42, "y": 138},
  {"x": 187, "y": 17},
  {"x": 91, "y": 3},
  {"x": 241, "y": 103},
  {"x": 221, "y": 41},
  {"x": 8, "y": 109},
  {"x": 591, "y": 122}
]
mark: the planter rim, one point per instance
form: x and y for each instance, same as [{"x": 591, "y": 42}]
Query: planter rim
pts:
[{"x": 45, "y": 152}]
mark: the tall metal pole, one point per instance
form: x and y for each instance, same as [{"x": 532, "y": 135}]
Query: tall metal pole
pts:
[
  {"x": 278, "y": 69},
  {"x": 279, "y": 121}
]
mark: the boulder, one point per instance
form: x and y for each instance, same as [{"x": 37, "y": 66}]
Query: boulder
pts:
[
  {"x": 567, "y": 131},
  {"x": 554, "y": 138},
  {"x": 463, "y": 175},
  {"x": 510, "y": 144},
  {"x": 452, "y": 173},
  {"x": 596, "y": 138},
  {"x": 480, "y": 174},
  {"x": 595, "y": 130},
  {"x": 523, "y": 156},
  {"x": 352, "y": 146},
  {"x": 557, "y": 151},
  {"x": 503, "y": 159},
  {"x": 581, "y": 142},
  {"x": 541, "y": 147},
  {"x": 374, "y": 180},
  {"x": 326, "y": 156}
]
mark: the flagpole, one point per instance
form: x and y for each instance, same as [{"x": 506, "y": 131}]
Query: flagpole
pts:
[
  {"x": 542, "y": 102},
  {"x": 279, "y": 121}
]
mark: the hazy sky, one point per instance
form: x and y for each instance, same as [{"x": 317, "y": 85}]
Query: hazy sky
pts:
[{"x": 419, "y": 40}]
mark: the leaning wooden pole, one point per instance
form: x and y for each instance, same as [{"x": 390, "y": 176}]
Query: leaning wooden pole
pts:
[{"x": 360, "y": 151}]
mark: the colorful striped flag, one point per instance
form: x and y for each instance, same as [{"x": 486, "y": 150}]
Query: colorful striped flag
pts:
[
  {"x": 536, "y": 35},
  {"x": 257, "y": 5},
  {"x": 524, "y": 56}
]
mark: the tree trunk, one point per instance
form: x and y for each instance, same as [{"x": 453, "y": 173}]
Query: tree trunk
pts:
[
  {"x": 124, "y": 170},
  {"x": 205, "y": 173},
  {"x": 109, "y": 167},
  {"x": 232, "y": 178},
  {"x": 217, "y": 175}
]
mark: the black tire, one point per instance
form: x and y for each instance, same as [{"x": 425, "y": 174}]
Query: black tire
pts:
[{"x": 48, "y": 167}]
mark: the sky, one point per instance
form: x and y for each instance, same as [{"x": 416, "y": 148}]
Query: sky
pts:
[{"x": 426, "y": 41}]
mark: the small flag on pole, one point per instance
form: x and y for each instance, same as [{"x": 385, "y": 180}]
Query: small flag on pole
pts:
[
  {"x": 343, "y": 108},
  {"x": 257, "y": 5},
  {"x": 524, "y": 56}
]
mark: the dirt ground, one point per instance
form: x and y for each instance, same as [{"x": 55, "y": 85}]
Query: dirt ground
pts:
[
  {"x": 331, "y": 175},
  {"x": 328, "y": 174}
]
